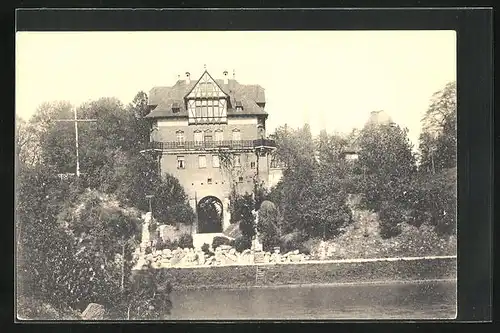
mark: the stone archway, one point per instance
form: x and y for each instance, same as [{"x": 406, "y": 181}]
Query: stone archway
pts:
[{"x": 210, "y": 214}]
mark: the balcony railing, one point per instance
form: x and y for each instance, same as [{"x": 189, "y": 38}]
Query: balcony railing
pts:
[{"x": 204, "y": 145}]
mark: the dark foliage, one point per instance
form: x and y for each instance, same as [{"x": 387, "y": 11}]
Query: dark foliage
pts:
[{"x": 218, "y": 241}]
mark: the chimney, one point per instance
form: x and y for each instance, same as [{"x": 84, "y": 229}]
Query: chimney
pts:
[
  {"x": 226, "y": 81},
  {"x": 188, "y": 78}
]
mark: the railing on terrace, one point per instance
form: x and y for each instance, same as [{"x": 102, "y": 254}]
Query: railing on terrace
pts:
[{"x": 228, "y": 144}]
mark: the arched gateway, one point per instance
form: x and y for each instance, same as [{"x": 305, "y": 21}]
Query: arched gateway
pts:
[{"x": 210, "y": 214}]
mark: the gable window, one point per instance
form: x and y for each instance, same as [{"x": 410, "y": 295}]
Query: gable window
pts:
[
  {"x": 180, "y": 137},
  {"x": 206, "y": 103},
  {"x": 236, "y": 135},
  {"x": 202, "y": 161},
  {"x": 198, "y": 138},
  {"x": 215, "y": 161},
  {"x": 181, "y": 164}
]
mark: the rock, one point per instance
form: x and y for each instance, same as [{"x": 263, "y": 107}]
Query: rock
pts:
[
  {"x": 296, "y": 252},
  {"x": 267, "y": 258},
  {"x": 167, "y": 252},
  {"x": 94, "y": 311},
  {"x": 295, "y": 258},
  {"x": 224, "y": 247},
  {"x": 232, "y": 251}
]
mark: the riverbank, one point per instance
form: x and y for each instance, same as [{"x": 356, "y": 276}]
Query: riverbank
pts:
[{"x": 310, "y": 273}]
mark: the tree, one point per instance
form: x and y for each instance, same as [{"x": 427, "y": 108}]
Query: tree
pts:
[
  {"x": 269, "y": 225},
  {"x": 296, "y": 150},
  {"x": 243, "y": 213},
  {"x": 311, "y": 193},
  {"x": 439, "y": 132},
  {"x": 389, "y": 166},
  {"x": 109, "y": 154},
  {"x": 75, "y": 244},
  {"x": 324, "y": 211}
]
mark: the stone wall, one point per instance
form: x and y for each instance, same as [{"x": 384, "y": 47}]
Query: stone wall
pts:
[
  {"x": 224, "y": 255},
  {"x": 310, "y": 273}
]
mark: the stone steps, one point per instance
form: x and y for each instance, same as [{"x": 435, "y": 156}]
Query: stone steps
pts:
[{"x": 260, "y": 275}]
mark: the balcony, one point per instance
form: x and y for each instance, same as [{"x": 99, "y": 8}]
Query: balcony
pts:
[{"x": 212, "y": 145}]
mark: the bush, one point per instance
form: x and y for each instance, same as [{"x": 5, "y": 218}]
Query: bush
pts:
[
  {"x": 218, "y": 241},
  {"x": 290, "y": 242},
  {"x": 242, "y": 243},
  {"x": 206, "y": 249},
  {"x": 168, "y": 244},
  {"x": 186, "y": 241}
]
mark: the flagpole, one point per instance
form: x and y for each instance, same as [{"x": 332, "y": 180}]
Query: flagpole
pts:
[
  {"x": 76, "y": 121},
  {"x": 76, "y": 144}
]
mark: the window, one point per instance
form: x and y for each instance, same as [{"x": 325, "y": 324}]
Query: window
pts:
[
  {"x": 252, "y": 165},
  {"x": 207, "y": 111},
  {"x": 236, "y": 135},
  {"x": 209, "y": 181},
  {"x": 215, "y": 161},
  {"x": 181, "y": 164},
  {"x": 219, "y": 136},
  {"x": 198, "y": 138},
  {"x": 202, "y": 161},
  {"x": 175, "y": 107},
  {"x": 240, "y": 179},
  {"x": 239, "y": 106},
  {"x": 180, "y": 137},
  {"x": 237, "y": 160}
]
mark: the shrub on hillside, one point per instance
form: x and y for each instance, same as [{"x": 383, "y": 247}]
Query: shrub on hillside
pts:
[
  {"x": 206, "y": 249},
  {"x": 269, "y": 225},
  {"x": 167, "y": 244},
  {"x": 186, "y": 241},
  {"x": 242, "y": 243},
  {"x": 293, "y": 241},
  {"x": 218, "y": 241}
]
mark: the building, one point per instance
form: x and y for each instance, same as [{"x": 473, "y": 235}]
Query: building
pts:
[
  {"x": 211, "y": 135},
  {"x": 376, "y": 118}
]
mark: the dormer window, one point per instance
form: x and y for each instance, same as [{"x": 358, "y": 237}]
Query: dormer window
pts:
[
  {"x": 239, "y": 106},
  {"x": 176, "y": 107}
]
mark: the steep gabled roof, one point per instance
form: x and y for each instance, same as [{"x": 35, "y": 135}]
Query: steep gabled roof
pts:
[
  {"x": 161, "y": 99},
  {"x": 201, "y": 77}
]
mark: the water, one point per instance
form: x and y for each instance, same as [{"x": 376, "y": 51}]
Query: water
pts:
[{"x": 415, "y": 300}]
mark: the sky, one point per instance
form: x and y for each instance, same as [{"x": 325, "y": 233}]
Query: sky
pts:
[{"x": 329, "y": 79}]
